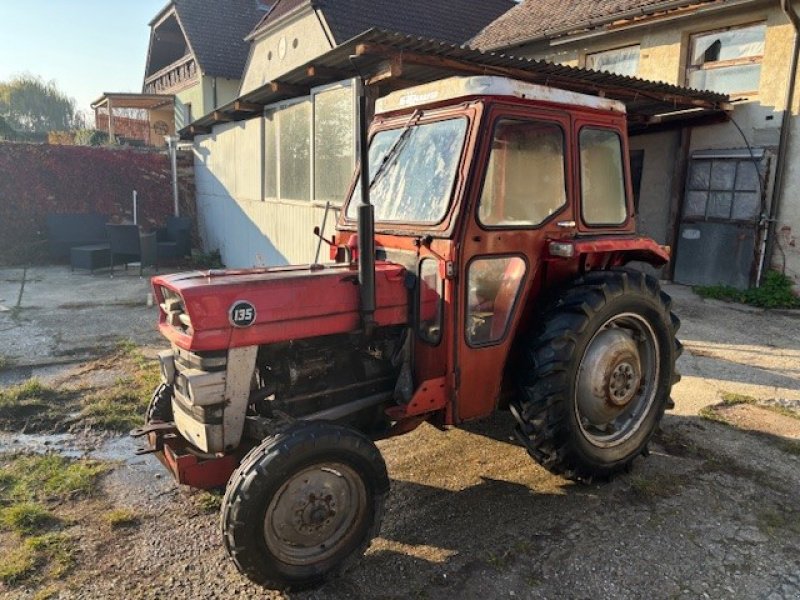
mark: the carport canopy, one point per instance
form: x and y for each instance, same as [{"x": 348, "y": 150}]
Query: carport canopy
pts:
[
  {"x": 392, "y": 61},
  {"x": 140, "y": 101}
]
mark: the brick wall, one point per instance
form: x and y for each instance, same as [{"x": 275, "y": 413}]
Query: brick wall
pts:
[{"x": 39, "y": 179}]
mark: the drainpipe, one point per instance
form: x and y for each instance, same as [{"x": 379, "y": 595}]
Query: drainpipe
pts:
[{"x": 783, "y": 145}]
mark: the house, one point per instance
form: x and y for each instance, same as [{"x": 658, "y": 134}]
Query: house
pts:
[
  {"x": 263, "y": 184},
  {"x": 725, "y": 196},
  {"x": 197, "y": 53}
]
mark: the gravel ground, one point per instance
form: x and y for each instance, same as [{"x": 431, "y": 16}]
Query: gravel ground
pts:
[{"x": 711, "y": 513}]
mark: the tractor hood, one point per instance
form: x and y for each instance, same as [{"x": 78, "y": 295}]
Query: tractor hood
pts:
[{"x": 217, "y": 310}]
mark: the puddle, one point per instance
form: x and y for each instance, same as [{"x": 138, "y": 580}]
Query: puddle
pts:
[
  {"x": 65, "y": 444},
  {"x": 135, "y": 481}
]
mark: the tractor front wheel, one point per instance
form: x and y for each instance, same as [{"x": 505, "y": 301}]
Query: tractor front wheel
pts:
[
  {"x": 597, "y": 375},
  {"x": 304, "y": 505},
  {"x": 160, "y": 408}
]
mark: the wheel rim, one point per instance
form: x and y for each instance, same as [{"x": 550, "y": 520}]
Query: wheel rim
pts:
[
  {"x": 617, "y": 380},
  {"x": 314, "y": 513}
]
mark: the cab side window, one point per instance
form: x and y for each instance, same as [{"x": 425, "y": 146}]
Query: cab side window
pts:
[
  {"x": 525, "y": 178},
  {"x": 602, "y": 177}
]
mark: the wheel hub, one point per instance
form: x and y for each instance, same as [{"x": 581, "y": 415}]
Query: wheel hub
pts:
[
  {"x": 313, "y": 512},
  {"x": 609, "y": 378}
]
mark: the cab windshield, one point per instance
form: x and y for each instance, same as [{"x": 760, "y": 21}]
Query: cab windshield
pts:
[{"x": 412, "y": 171}]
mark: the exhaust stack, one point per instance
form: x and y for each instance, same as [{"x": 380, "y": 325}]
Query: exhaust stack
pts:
[{"x": 366, "y": 221}]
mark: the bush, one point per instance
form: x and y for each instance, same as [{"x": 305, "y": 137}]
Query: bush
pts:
[{"x": 775, "y": 292}]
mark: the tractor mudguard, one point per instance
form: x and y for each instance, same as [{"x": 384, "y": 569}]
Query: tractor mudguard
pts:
[{"x": 614, "y": 251}]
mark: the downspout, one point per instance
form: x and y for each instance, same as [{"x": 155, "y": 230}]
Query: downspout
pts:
[{"x": 783, "y": 145}]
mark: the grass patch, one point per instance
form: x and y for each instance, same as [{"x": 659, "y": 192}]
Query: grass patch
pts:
[
  {"x": 209, "y": 502},
  {"x": 32, "y": 478},
  {"x": 775, "y": 292},
  {"x": 5, "y": 362},
  {"x": 773, "y": 522},
  {"x": 27, "y": 518},
  {"x": 733, "y": 399},
  {"x": 121, "y": 518},
  {"x": 33, "y": 406},
  {"x": 709, "y": 413},
  {"x": 27, "y": 484},
  {"x": 789, "y": 447},
  {"x": 51, "y": 551},
  {"x": 656, "y": 487},
  {"x": 121, "y": 407}
]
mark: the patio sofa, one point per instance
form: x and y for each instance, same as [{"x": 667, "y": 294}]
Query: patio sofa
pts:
[{"x": 67, "y": 230}]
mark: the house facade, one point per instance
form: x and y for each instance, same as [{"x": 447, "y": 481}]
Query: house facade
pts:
[
  {"x": 197, "y": 53},
  {"x": 725, "y": 196},
  {"x": 264, "y": 183}
]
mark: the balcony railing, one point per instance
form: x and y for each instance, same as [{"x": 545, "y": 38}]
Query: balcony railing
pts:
[{"x": 172, "y": 77}]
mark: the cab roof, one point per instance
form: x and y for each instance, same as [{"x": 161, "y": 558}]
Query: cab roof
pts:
[{"x": 460, "y": 87}]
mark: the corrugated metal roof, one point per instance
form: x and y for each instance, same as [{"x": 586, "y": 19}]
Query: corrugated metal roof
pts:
[{"x": 424, "y": 60}]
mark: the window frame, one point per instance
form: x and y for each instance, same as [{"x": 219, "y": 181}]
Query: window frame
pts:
[
  {"x": 761, "y": 166},
  {"x": 485, "y": 167},
  {"x": 637, "y": 45},
  {"x": 722, "y": 64},
  {"x": 513, "y": 312},
  {"x": 345, "y": 84},
  {"x": 625, "y": 176},
  {"x": 428, "y": 117},
  {"x": 275, "y": 108},
  {"x": 440, "y": 307}
]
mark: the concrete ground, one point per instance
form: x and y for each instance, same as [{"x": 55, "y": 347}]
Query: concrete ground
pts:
[
  {"x": 50, "y": 316},
  {"x": 712, "y": 513}
]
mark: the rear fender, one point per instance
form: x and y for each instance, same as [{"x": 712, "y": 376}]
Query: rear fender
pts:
[{"x": 602, "y": 253}]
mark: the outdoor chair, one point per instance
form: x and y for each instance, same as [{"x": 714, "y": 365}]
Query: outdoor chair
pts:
[
  {"x": 175, "y": 240},
  {"x": 68, "y": 230},
  {"x": 129, "y": 244}
]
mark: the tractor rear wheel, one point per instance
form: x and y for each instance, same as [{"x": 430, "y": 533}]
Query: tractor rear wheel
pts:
[
  {"x": 304, "y": 505},
  {"x": 596, "y": 376}
]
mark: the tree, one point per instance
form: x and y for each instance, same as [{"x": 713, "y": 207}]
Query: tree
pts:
[{"x": 29, "y": 104}]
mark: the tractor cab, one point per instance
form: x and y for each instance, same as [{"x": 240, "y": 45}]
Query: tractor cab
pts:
[
  {"x": 489, "y": 190},
  {"x": 479, "y": 263}
]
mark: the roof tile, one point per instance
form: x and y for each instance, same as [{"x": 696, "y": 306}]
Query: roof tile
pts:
[{"x": 537, "y": 19}]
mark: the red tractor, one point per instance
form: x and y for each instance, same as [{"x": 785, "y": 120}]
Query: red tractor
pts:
[{"x": 480, "y": 264}]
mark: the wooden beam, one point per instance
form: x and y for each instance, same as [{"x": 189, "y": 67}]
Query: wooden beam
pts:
[
  {"x": 390, "y": 69},
  {"x": 222, "y": 117},
  {"x": 247, "y": 107},
  {"x": 287, "y": 89},
  {"x": 323, "y": 72},
  {"x": 197, "y": 130}
]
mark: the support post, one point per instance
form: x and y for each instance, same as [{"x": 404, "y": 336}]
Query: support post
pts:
[{"x": 172, "y": 143}]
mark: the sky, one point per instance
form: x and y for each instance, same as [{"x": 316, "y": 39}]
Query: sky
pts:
[{"x": 86, "y": 46}]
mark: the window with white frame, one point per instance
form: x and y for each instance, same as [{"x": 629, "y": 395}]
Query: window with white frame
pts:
[
  {"x": 727, "y": 60},
  {"x": 621, "y": 61},
  {"x": 334, "y": 143},
  {"x": 309, "y": 146}
]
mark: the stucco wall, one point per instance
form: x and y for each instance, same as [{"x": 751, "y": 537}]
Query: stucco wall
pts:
[
  {"x": 247, "y": 230},
  {"x": 663, "y": 57},
  {"x": 297, "y": 42}
]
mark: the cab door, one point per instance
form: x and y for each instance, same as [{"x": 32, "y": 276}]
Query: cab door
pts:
[{"x": 522, "y": 200}]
